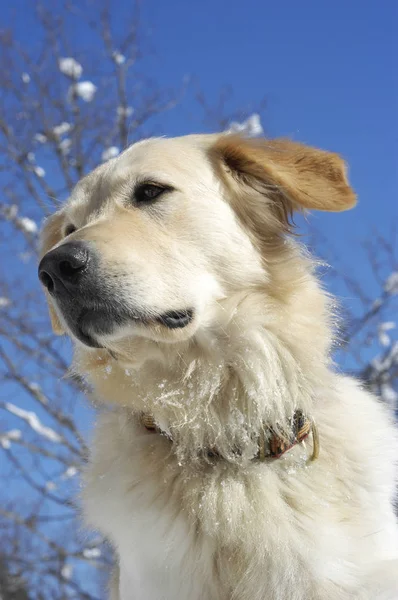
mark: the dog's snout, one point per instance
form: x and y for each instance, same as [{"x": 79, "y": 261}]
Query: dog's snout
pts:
[{"x": 65, "y": 265}]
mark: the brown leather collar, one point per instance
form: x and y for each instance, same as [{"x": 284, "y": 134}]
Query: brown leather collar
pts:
[{"x": 270, "y": 444}]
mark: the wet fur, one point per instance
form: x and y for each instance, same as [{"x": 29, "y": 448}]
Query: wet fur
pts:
[{"x": 186, "y": 527}]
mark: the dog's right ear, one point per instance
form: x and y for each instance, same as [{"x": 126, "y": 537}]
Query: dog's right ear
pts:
[
  {"x": 305, "y": 177},
  {"x": 50, "y": 236}
]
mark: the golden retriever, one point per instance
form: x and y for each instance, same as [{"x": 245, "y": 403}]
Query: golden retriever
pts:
[{"x": 230, "y": 461}]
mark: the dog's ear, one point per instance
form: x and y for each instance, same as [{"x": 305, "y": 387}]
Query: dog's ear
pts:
[
  {"x": 51, "y": 234},
  {"x": 293, "y": 176}
]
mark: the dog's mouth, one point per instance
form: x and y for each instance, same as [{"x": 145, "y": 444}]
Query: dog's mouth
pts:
[
  {"x": 96, "y": 323},
  {"x": 176, "y": 319}
]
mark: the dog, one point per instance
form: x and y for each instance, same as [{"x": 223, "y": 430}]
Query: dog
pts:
[{"x": 230, "y": 460}]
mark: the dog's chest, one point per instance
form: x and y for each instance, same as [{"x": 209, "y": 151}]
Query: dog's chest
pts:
[{"x": 160, "y": 555}]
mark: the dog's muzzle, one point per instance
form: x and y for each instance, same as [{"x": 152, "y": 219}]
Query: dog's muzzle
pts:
[{"x": 71, "y": 275}]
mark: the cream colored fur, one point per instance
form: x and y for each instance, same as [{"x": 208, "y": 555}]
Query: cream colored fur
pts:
[{"x": 188, "y": 528}]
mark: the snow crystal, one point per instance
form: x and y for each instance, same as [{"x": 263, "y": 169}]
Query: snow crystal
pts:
[
  {"x": 389, "y": 395},
  {"x": 110, "y": 152},
  {"x": 40, "y": 172},
  {"x": 25, "y": 77},
  {"x": 65, "y": 146},
  {"x": 34, "y": 386},
  {"x": 384, "y": 338},
  {"x": 25, "y": 256},
  {"x": 33, "y": 420},
  {"x": 251, "y": 127},
  {"x": 91, "y": 552},
  {"x": 124, "y": 111},
  {"x": 50, "y": 486},
  {"x": 27, "y": 225},
  {"x": 383, "y": 364},
  {"x": 70, "y": 67},
  {"x": 4, "y": 302},
  {"x": 118, "y": 58},
  {"x": 391, "y": 285},
  {"x": 41, "y": 138},
  {"x": 85, "y": 90},
  {"x": 31, "y": 156},
  {"x": 62, "y": 128},
  {"x": 70, "y": 472},
  {"x": 67, "y": 571},
  {"x": 9, "y": 436},
  {"x": 11, "y": 212}
]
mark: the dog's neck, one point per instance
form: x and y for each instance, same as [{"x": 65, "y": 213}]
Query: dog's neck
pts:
[{"x": 219, "y": 390}]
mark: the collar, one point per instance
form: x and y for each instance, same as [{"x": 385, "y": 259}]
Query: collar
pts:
[{"x": 270, "y": 444}]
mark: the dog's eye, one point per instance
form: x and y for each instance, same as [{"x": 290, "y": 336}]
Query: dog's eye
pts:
[
  {"x": 148, "y": 192},
  {"x": 69, "y": 230}
]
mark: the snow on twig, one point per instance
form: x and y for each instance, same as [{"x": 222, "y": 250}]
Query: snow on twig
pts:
[
  {"x": 251, "y": 127},
  {"x": 34, "y": 422},
  {"x": 70, "y": 67}
]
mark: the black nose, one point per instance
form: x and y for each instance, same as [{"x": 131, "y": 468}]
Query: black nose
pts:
[{"x": 64, "y": 266}]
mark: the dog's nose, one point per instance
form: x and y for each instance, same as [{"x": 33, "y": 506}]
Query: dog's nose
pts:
[{"x": 64, "y": 267}]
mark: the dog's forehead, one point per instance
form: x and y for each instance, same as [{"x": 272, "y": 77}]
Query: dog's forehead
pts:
[
  {"x": 174, "y": 161},
  {"x": 171, "y": 155}
]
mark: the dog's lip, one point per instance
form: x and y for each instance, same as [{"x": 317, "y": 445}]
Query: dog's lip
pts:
[
  {"x": 176, "y": 319},
  {"x": 86, "y": 339},
  {"x": 85, "y": 332},
  {"x": 171, "y": 319}
]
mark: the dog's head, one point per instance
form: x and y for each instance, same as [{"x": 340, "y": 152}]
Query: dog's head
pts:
[{"x": 151, "y": 243}]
